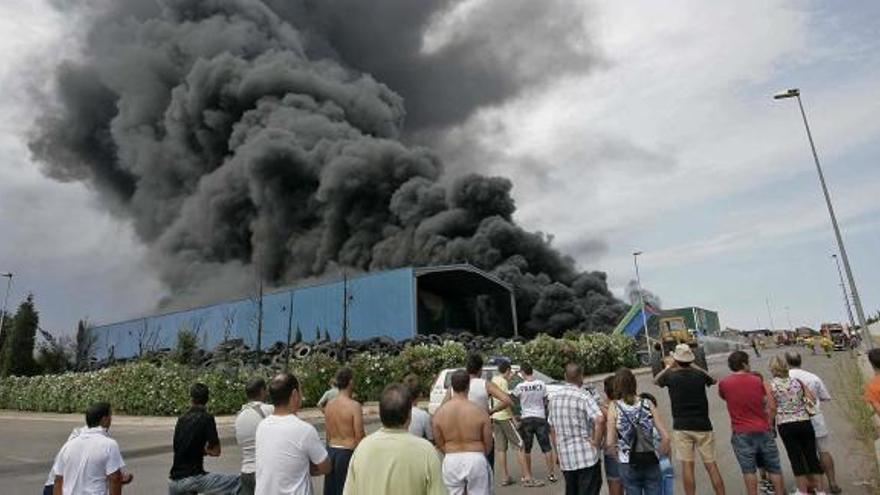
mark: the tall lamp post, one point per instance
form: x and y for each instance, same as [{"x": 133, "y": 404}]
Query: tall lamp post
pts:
[
  {"x": 642, "y": 302},
  {"x": 5, "y": 299},
  {"x": 845, "y": 295},
  {"x": 796, "y": 93}
]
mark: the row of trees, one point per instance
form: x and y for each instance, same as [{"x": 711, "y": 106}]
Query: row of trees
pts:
[{"x": 18, "y": 340}]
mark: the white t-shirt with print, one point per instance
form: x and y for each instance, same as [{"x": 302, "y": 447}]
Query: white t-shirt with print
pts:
[
  {"x": 286, "y": 446},
  {"x": 85, "y": 462},
  {"x": 531, "y": 394},
  {"x": 817, "y": 386}
]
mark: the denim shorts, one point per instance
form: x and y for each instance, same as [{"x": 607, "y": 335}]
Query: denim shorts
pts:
[
  {"x": 612, "y": 468},
  {"x": 754, "y": 450}
]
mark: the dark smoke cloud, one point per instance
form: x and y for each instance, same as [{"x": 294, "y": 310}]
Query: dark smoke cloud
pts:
[
  {"x": 234, "y": 149},
  {"x": 497, "y": 49}
]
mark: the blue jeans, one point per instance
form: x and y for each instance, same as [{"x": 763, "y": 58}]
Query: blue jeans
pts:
[
  {"x": 667, "y": 485},
  {"x": 645, "y": 480},
  {"x": 208, "y": 483}
]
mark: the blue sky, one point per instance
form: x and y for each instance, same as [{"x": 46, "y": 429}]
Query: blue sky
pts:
[{"x": 671, "y": 145}]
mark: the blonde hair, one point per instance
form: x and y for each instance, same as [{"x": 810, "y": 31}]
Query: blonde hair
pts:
[{"x": 778, "y": 367}]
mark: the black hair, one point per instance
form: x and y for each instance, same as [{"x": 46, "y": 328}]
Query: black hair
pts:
[
  {"x": 609, "y": 387},
  {"x": 254, "y": 388},
  {"x": 874, "y": 358},
  {"x": 96, "y": 412},
  {"x": 395, "y": 405},
  {"x": 649, "y": 396},
  {"x": 281, "y": 388},
  {"x": 344, "y": 377},
  {"x": 737, "y": 361},
  {"x": 414, "y": 385},
  {"x": 461, "y": 381},
  {"x": 199, "y": 394},
  {"x": 527, "y": 369},
  {"x": 573, "y": 372},
  {"x": 474, "y": 363},
  {"x": 503, "y": 366},
  {"x": 793, "y": 358}
]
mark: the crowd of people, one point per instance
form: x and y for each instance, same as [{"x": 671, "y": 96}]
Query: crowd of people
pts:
[{"x": 459, "y": 449}]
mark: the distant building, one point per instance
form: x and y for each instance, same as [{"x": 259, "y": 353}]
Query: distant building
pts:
[
  {"x": 398, "y": 304},
  {"x": 703, "y": 321}
]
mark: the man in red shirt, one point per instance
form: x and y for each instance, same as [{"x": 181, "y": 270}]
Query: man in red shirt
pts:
[{"x": 754, "y": 444}]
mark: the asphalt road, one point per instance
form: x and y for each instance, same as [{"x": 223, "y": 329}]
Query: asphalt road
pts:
[{"x": 30, "y": 441}]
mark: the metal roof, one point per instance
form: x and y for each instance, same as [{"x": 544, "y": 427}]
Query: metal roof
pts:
[{"x": 462, "y": 277}]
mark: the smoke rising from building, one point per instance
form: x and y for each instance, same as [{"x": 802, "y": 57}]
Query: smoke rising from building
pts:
[{"x": 237, "y": 138}]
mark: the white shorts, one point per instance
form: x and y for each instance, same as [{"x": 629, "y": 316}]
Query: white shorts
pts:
[
  {"x": 467, "y": 471},
  {"x": 823, "y": 444}
]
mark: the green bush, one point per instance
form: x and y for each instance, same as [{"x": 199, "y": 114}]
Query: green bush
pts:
[{"x": 145, "y": 388}]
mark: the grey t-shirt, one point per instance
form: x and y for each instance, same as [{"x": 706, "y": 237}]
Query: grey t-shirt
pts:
[
  {"x": 420, "y": 424},
  {"x": 327, "y": 397}
]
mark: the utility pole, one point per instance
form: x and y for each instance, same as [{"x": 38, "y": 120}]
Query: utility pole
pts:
[
  {"x": 289, "y": 329},
  {"x": 854, "y": 291},
  {"x": 5, "y": 299},
  {"x": 260, "y": 323},
  {"x": 343, "y": 354}
]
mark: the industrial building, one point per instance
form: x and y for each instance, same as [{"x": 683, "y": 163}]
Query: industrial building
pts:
[
  {"x": 703, "y": 321},
  {"x": 398, "y": 303}
]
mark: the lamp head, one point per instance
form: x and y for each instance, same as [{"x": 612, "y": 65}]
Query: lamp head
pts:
[
  {"x": 637, "y": 253},
  {"x": 791, "y": 93}
]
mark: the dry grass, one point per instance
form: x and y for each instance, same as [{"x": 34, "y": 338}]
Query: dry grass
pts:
[{"x": 849, "y": 387}]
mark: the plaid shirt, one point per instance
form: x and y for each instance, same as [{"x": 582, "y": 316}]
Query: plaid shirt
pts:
[{"x": 573, "y": 413}]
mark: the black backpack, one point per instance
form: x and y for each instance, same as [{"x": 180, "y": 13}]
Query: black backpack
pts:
[{"x": 641, "y": 445}]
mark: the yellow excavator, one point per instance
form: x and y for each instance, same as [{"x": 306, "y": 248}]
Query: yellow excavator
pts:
[{"x": 674, "y": 331}]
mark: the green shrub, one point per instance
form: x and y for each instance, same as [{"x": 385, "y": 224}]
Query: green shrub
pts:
[{"x": 146, "y": 388}]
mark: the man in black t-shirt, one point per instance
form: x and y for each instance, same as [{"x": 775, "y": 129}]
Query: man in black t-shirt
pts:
[
  {"x": 195, "y": 436},
  {"x": 691, "y": 427}
]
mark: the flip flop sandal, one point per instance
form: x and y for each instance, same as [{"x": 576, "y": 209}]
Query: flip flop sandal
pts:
[
  {"x": 509, "y": 481},
  {"x": 531, "y": 483},
  {"x": 552, "y": 478}
]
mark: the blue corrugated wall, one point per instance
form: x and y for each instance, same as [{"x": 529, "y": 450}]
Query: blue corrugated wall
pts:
[{"x": 380, "y": 304}]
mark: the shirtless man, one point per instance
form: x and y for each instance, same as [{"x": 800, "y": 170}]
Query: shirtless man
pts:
[
  {"x": 463, "y": 431},
  {"x": 344, "y": 424}
]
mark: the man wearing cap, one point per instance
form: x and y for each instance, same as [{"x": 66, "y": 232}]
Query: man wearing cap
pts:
[{"x": 692, "y": 430}]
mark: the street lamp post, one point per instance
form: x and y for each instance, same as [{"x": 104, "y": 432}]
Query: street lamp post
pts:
[
  {"x": 642, "y": 302},
  {"x": 796, "y": 93},
  {"x": 852, "y": 321},
  {"x": 770, "y": 315},
  {"x": 5, "y": 299},
  {"x": 788, "y": 316}
]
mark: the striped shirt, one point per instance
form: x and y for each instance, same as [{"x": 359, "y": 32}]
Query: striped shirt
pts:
[{"x": 573, "y": 414}]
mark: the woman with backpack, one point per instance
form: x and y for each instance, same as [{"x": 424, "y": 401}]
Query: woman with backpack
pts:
[
  {"x": 794, "y": 404},
  {"x": 631, "y": 424}
]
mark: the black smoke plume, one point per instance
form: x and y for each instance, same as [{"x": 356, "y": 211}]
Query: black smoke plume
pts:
[{"x": 238, "y": 138}]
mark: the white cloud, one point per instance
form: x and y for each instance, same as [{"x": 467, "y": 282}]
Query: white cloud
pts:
[
  {"x": 76, "y": 259},
  {"x": 681, "y": 115}
]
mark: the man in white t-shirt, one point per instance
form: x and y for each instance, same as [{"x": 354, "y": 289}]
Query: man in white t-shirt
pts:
[
  {"x": 90, "y": 463},
  {"x": 246, "y": 423},
  {"x": 289, "y": 450},
  {"x": 823, "y": 443},
  {"x": 532, "y": 395}
]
